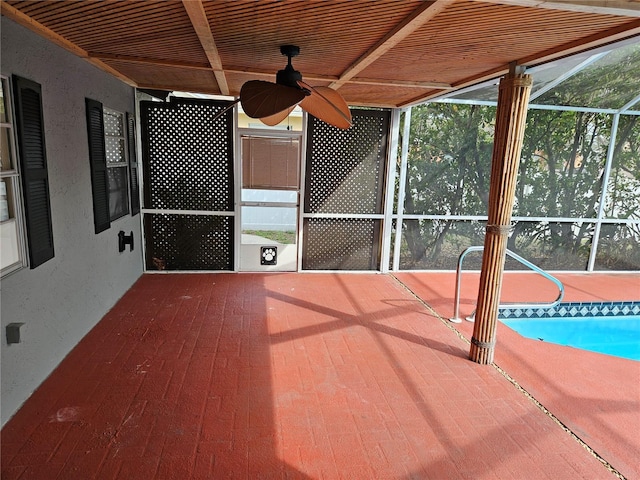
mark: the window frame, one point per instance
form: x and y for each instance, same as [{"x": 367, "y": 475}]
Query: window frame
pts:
[
  {"x": 14, "y": 187},
  {"x": 100, "y": 185},
  {"x": 122, "y": 165}
]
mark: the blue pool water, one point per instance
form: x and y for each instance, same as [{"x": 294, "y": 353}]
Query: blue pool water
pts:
[{"x": 618, "y": 336}]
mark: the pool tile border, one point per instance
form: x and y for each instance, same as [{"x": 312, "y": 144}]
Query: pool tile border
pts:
[{"x": 573, "y": 310}]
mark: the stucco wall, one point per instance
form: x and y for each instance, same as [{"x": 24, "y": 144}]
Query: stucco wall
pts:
[{"x": 61, "y": 300}]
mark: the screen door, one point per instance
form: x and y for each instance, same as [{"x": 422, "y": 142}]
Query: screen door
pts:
[{"x": 269, "y": 202}]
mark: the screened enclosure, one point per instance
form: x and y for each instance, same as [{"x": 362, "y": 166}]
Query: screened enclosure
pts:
[
  {"x": 577, "y": 201},
  {"x": 409, "y": 189}
]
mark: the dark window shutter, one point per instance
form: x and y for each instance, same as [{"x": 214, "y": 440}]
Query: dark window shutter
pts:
[
  {"x": 33, "y": 162},
  {"x": 133, "y": 165},
  {"x": 98, "y": 160}
]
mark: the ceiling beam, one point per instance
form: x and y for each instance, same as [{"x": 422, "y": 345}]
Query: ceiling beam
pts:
[
  {"x": 200, "y": 23},
  {"x": 418, "y": 17},
  {"x": 28, "y": 22},
  {"x": 361, "y": 81},
  {"x": 399, "y": 83},
  {"x": 255, "y": 73},
  {"x": 627, "y": 8}
]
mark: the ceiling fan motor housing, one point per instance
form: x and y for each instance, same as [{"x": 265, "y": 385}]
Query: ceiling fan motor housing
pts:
[{"x": 288, "y": 77}]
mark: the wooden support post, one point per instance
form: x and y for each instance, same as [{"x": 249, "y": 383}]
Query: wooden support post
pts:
[{"x": 511, "y": 116}]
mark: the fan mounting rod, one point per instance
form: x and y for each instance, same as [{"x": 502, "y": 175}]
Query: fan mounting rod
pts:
[{"x": 289, "y": 76}]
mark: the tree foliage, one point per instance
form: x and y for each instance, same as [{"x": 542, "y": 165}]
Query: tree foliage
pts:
[
  {"x": 610, "y": 82},
  {"x": 561, "y": 175},
  {"x": 448, "y": 171}
]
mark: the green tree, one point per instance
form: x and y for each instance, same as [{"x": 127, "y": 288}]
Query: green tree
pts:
[
  {"x": 610, "y": 82},
  {"x": 623, "y": 193},
  {"x": 619, "y": 244},
  {"x": 449, "y": 163},
  {"x": 560, "y": 175}
]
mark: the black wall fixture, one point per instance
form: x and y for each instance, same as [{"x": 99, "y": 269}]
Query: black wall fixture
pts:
[{"x": 124, "y": 240}]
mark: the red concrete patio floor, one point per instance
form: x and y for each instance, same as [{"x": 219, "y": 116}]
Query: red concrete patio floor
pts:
[{"x": 322, "y": 376}]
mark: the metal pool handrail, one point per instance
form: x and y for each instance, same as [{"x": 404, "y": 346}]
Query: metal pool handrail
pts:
[{"x": 523, "y": 261}]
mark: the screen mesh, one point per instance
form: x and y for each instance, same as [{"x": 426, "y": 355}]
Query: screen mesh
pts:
[
  {"x": 188, "y": 156},
  {"x": 341, "y": 244},
  {"x": 188, "y": 166},
  {"x": 345, "y": 168},
  {"x": 189, "y": 242},
  {"x": 345, "y": 173}
]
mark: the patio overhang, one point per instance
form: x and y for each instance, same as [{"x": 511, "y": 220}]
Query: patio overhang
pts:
[{"x": 382, "y": 54}]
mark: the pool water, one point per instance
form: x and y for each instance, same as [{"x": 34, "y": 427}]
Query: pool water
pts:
[{"x": 618, "y": 336}]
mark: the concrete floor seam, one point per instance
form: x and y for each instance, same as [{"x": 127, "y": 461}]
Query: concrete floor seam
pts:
[{"x": 518, "y": 387}]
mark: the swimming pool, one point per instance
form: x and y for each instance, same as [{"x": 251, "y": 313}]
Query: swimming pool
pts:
[{"x": 614, "y": 335}]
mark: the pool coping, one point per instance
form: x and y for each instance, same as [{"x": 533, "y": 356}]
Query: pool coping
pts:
[{"x": 572, "y": 310}]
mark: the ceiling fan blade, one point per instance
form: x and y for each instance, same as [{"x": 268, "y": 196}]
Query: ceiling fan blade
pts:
[
  {"x": 273, "y": 120},
  {"x": 262, "y": 99},
  {"x": 327, "y": 105}
]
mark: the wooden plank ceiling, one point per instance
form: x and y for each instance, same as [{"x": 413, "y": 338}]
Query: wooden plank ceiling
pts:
[{"x": 383, "y": 53}]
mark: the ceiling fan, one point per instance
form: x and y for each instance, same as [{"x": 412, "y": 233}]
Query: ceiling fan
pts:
[{"x": 273, "y": 102}]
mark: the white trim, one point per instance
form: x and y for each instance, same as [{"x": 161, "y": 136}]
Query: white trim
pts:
[
  {"x": 16, "y": 183},
  {"x": 267, "y": 133},
  {"x": 157, "y": 211},
  {"x": 566, "y": 75},
  {"x": 237, "y": 191},
  {"x": 603, "y": 194},
  {"x": 139, "y": 171},
  {"x": 404, "y": 157},
  {"x": 483, "y": 218},
  {"x": 367, "y": 216},
  {"x": 625, "y": 108},
  {"x": 239, "y": 203},
  {"x": 390, "y": 167},
  {"x": 303, "y": 183},
  {"x": 270, "y": 204},
  {"x": 533, "y": 106}
]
